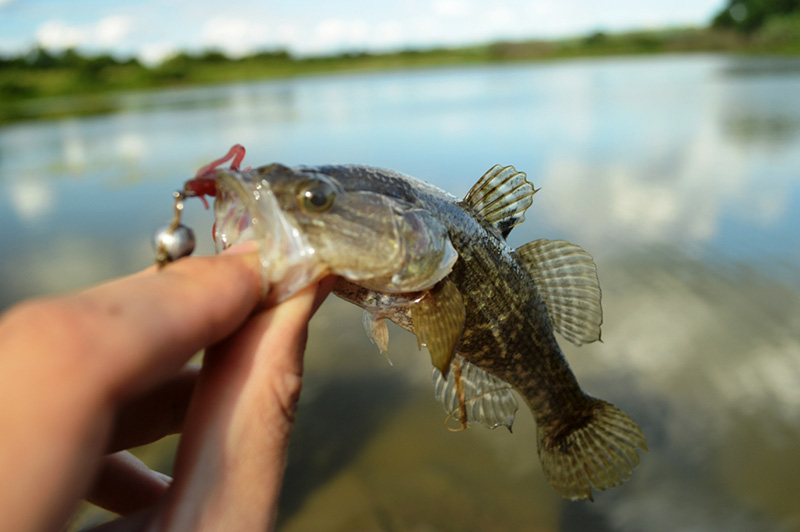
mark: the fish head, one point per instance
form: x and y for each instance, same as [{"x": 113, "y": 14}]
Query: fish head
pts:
[{"x": 310, "y": 222}]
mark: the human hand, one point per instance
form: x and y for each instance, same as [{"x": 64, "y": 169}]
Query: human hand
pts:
[{"x": 92, "y": 373}]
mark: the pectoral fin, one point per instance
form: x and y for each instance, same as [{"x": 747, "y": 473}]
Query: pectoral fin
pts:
[
  {"x": 438, "y": 319},
  {"x": 566, "y": 278},
  {"x": 478, "y": 396}
]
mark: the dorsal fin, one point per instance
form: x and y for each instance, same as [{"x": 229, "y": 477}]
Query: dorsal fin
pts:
[
  {"x": 487, "y": 399},
  {"x": 566, "y": 278},
  {"x": 501, "y": 197}
]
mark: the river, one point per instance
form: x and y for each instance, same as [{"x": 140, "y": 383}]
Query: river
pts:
[{"x": 679, "y": 174}]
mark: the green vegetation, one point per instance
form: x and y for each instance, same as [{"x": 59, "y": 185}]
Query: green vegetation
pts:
[
  {"x": 764, "y": 25},
  {"x": 750, "y": 16},
  {"x": 44, "y": 84}
]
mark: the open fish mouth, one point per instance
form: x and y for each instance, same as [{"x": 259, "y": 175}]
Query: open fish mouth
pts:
[{"x": 246, "y": 209}]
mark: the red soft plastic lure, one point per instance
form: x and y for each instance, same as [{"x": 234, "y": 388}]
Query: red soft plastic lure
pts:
[{"x": 204, "y": 182}]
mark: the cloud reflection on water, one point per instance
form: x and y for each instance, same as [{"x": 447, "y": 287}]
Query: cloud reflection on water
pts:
[
  {"x": 31, "y": 200},
  {"x": 717, "y": 348},
  {"x": 704, "y": 357}
]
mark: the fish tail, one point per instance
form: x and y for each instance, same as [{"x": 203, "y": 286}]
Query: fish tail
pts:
[{"x": 598, "y": 451}]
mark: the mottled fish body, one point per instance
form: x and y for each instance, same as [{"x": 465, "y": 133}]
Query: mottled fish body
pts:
[{"x": 441, "y": 268}]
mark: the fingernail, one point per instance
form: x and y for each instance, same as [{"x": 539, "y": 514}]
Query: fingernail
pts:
[{"x": 166, "y": 479}]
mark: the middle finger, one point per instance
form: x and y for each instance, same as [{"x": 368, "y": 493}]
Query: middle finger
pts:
[{"x": 158, "y": 413}]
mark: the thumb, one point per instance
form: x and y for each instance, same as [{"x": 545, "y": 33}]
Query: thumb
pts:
[{"x": 232, "y": 456}]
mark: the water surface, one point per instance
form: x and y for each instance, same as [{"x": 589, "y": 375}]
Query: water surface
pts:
[{"x": 680, "y": 174}]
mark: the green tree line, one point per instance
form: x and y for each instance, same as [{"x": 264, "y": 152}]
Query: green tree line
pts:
[
  {"x": 42, "y": 59},
  {"x": 749, "y": 16}
]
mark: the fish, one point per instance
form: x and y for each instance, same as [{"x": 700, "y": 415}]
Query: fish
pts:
[{"x": 441, "y": 268}]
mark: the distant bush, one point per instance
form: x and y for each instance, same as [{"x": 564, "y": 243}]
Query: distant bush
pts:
[
  {"x": 176, "y": 68},
  {"x": 748, "y": 16},
  {"x": 274, "y": 55},
  {"x": 646, "y": 43},
  {"x": 13, "y": 89},
  {"x": 596, "y": 38},
  {"x": 780, "y": 31},
  {"x": 503, "y": 51},
  {"x": 213, "y": 56},
  {"x": 40, "y": 58}
]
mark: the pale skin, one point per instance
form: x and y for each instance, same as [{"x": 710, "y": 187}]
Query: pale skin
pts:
[{"x": 87, "y": 375}]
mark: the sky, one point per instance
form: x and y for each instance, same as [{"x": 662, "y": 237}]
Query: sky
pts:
[{"x": 152, "y": 30}]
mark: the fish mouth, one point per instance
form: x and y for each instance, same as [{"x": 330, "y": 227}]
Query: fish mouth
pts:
[{"x": 246, "y": 209}]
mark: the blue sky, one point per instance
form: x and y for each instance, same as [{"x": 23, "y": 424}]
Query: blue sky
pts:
[{"x": 151, "y": 29}]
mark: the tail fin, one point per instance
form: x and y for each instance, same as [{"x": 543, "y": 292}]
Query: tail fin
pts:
[{"x": 600, "y": 453}]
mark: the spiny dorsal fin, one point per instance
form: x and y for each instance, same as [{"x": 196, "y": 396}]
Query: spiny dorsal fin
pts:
[
  {"x": 487, "y": 399},
  {"x": 438, "y": 317},
  {"x": 566, "y": 278},
  {"x": 501, "y": 197}
]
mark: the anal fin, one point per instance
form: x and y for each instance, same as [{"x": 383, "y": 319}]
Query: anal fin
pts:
[{"x": 473, "y": 395}]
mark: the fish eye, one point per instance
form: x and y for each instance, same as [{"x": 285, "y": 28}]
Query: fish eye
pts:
[{"x": 316, "y": 196}]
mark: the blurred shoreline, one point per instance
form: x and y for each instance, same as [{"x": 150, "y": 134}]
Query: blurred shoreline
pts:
[{"x": 45, "y": 85}]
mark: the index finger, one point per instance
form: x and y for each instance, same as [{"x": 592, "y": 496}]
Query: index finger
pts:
[{"x": 130, "y": 334}]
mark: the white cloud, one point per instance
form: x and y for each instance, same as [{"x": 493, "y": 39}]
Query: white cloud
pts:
[
  {"x": 112, "y": 30},
  {"x": 287, "y": 32},
  {"x": 389, "y": 35},
  {"x": 106, "y": 33},
  {"x": 56, "y": 35},
  {"x": 322, "y": 29},
  {"x": 153, "y": 54},
  {"x": 335, "y": 34},
  {"x": 350, "y": 32},
  {"x": 236, "y": 37},
  {"x": 500, "y": 17},
  {"x": 453, "y": 8}
]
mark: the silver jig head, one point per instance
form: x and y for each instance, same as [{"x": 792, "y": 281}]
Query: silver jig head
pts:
[{"x": 174, "y": 240}]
